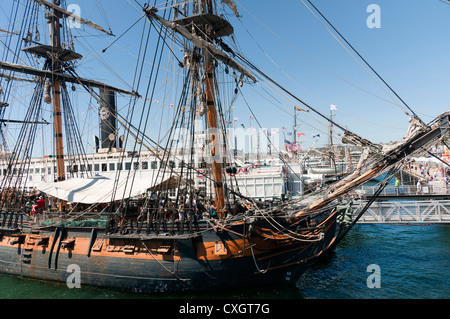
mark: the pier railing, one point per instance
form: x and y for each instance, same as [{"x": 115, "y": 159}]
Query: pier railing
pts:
[
  {"x": 405, "y": 212},
  {"x": 428, "y": 189}
]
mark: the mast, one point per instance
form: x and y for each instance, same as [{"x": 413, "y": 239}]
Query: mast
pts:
[
  {"x": 211, "y": 113},
  {"x": 55, "y": 40},
  {"x": 331, "y": 150},
  {"x": 213, "y": 27}
]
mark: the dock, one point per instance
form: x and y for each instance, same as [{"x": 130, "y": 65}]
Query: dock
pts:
[
  {"x": 404, "y": 212},
  {"x": 405, "y": 205}
]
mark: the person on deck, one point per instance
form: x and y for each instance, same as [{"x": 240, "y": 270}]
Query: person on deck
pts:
[
  {"x": 40, "y": 205},
  {"x": 34, "y": 212},
  {"x": 28, "y": 206},
  {"x": 213, "y": 210},
  {"x": 419, "y": 188},
  {"x": 397, "y": 186}
]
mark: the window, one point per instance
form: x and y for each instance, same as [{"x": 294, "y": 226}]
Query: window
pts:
[
  {"x": 128, "y": 166},
  {"x": 96, "y": 167},
  {"x": 144, "y": 165},
  {"x": 119, "y": 166},
  {"x": 154, "y": 165},
  {"x": 171, "y": 164},
  {"x": 136, "y": 165},
  {"x": 111, "y": 166}
]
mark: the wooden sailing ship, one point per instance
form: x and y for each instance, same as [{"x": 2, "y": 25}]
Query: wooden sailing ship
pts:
[{"x": 167, "y": 242}]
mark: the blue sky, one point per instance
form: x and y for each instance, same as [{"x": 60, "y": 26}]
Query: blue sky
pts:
[{"x": 410, "y": 51}]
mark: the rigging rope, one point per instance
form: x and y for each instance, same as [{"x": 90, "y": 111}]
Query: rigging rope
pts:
[{"x": 359, "y": 55}]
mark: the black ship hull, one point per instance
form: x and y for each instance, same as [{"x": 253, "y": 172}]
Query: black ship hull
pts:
[{"x": 208, "y": 259}]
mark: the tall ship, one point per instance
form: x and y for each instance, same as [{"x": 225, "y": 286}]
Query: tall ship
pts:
[{"x": 164, "y": 230}]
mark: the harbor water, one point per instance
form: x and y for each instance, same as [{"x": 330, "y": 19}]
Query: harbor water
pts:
[{"x": 412, "y": 262}]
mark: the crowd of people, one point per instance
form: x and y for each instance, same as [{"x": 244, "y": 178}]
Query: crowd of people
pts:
[{"x": 430, "y": 172}]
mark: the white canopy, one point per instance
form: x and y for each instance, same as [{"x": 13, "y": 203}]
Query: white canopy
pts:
[{"x": 96, "y": 189}]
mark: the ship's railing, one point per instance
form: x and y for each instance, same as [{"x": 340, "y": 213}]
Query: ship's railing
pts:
[
  {"x": 155, "y": 223},
  {"x": 177, "y": 224},
  {"x": 11, "y": 220}
]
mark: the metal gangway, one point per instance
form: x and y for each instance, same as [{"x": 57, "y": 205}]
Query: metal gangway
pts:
[
  {"x": 405, "y": 190},
  {"x": 404, "y": 212}
]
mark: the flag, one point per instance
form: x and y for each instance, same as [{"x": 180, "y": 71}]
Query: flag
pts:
[
  {"x": 235, "y": 119},
  {"x": 284, "y": 128},
  {"x": 333, "y": 107},
  {"x": 300, "y": 134},
  {"x": 275, "y": 131},
  {"x": 171, "y": 105},
  {"x": 300, "y": 109},
  {"x": 317, "y": 135},
  {"x": 287, "y": 144},
  {"x": 91, "y": 108},
  {"x": 156, "y": 101},
  {"x": 290, "y": 146}
]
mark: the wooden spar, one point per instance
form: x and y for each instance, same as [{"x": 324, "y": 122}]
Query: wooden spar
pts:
[
  {"x": 26, "y": 122},
  {"x": 71, "y": 15},
  {"x": 62, "y": 77},
  {"x": 9, "y": 32},
  {"x": 345, "y": 188},
  {"x": 211, "y": 113},
  {"x": 391, "y": 158},
  {"x": 56, "y": 93}
]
